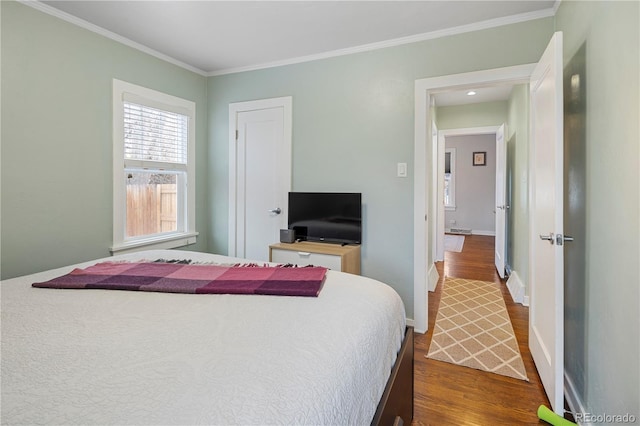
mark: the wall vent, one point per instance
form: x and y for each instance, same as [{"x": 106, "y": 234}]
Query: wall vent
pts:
[{"x": 461, "y": 231}]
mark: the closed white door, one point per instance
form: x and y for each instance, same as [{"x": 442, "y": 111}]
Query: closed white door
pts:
[
  {"x": 546, "y": 280},
  {"x": 260, "y": 175},
  {"x": 501, "y": 201}
]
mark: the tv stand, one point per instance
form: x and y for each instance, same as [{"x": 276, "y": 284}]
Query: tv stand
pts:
[{"x": 345, "y": 258}]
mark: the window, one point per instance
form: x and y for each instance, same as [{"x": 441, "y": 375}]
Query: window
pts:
[
  {"x": 153, "y": 169},
  {"x": 450, "y": 179}
]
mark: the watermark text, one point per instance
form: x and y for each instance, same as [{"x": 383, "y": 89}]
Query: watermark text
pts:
[{"x": 604, "y": 418}]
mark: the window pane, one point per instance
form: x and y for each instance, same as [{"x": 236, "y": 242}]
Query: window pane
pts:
[
  {"x": 447, "y": 190},
  {"x": 152, "y": 203},
  {"x": 154, "y": 135}
]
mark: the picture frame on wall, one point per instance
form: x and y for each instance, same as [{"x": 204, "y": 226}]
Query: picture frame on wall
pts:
[{"x": 480, "y": 158}]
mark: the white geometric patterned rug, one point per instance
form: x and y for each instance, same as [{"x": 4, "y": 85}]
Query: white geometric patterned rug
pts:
[
  {"x": 473, "y": 329},
  {"x": 453, "y": 242}
]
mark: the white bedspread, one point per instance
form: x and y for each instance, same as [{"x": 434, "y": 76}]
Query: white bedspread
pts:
[{"x": 135, "y": 358}]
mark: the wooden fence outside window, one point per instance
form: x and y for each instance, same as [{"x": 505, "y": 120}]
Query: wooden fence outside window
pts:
[{"x": 151, "y": 209}]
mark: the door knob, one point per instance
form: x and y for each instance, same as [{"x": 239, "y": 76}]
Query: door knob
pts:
[
  {"x": 275, "y": 211},
  {"x": 549, "y": 238},
  {"x": 560, "y": 239}
]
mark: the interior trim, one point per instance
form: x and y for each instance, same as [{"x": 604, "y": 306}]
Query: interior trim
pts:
[
  {"x": 422, "y": 187},
  {"x": 50, "y": 10},
  {"x": 490, "y": 23}
]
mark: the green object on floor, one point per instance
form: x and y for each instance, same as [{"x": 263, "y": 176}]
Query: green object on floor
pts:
[{"x": 552, "y": 418}]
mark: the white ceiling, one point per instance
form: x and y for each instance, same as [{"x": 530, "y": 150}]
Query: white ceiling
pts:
[
  {"x": 483, "y": 94},
  {"x": 216, "y": 37}
]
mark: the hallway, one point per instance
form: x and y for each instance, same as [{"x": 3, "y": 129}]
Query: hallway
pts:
[{"x": 446, "y": 394}]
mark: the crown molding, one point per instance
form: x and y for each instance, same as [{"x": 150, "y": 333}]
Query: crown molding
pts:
[
  {"x": 49, "y": 10},
  {"x": 491, "y": 23}
]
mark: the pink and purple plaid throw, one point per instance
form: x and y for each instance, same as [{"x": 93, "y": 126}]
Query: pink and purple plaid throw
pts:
[{"x": 196, "y": 279}]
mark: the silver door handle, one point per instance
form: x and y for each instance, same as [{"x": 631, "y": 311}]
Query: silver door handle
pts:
[
  {"x": 549, "y": 238},
  {"x": 275, "y": 211},
  {"x": 561, "y": 239}
]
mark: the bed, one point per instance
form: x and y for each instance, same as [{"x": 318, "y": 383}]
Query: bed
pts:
[{"x": 149, "y": 358}]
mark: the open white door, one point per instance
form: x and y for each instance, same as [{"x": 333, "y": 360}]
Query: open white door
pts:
[
  {"x": 501, "y": 201},
  {"x": 259, "y": 175},
  {"x": 546, "y": 280}
]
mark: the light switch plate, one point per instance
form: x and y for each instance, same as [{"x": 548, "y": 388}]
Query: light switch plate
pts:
[{"x": 402, "y": 169}]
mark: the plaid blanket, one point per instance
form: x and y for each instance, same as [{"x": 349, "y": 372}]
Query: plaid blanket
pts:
[{"x": 196, "y": 279}]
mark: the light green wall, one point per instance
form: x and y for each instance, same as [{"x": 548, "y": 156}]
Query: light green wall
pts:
[
  {"x": 518, "y": 175},
  {"x": 56, "y": 137},
  {"x": 611, "y": 33},
  {"x": 472, "y": 115},
  {"x": 353, "y": 121}
]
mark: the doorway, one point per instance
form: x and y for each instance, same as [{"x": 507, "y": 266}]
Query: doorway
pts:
[
  {"x": 465, "y": 190},
  {"x": 259, "y": 175},
  {"x": 425, "y": 207},
  {"x": 545, "y": 209}
]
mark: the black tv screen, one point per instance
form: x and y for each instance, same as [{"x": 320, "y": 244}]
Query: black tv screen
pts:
[{"x": 334, "y": 217}]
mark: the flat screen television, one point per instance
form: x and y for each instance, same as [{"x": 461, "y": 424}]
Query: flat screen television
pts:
[{"x": 332, "y": 217}]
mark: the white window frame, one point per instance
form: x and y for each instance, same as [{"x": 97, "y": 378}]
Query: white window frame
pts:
[
  {"x": 452, "y": 180},
  {"x": 186, "y": 232}
]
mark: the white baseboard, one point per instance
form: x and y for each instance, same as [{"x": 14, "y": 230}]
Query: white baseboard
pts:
[
  {"x": 573, "y": 400},
  {"x": 432, "y": 277},
  {"x": 516, "y": 289},
  {"x": 410, "y": 322}
]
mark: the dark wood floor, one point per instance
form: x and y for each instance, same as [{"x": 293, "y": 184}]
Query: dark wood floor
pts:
[{"x": 447, "y": 394}]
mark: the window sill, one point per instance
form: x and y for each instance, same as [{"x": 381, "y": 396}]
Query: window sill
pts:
[
  {"x": 155, "y": 243},
  {"x": 450, "y": 208}
]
